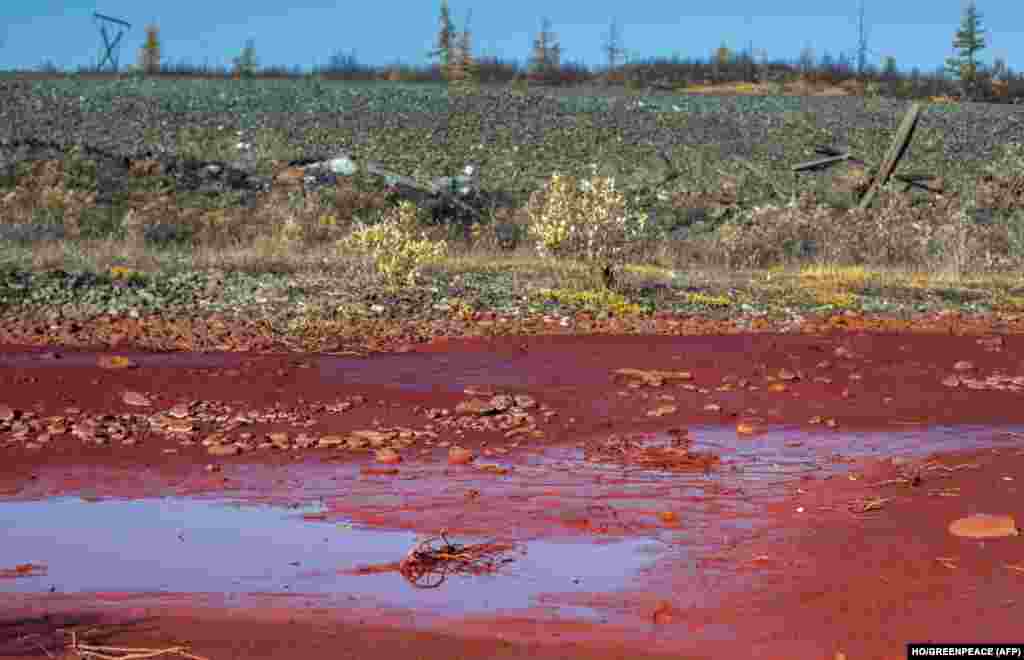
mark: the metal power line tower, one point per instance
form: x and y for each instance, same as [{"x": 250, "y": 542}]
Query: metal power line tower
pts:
[
  {"x": 110, "y": 55},
  {"x": 862, "y": 42}
]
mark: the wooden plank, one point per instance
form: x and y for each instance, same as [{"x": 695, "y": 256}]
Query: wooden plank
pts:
[
  {"x": 892, "y": 157},
  {"x": 814, "y": 164}
]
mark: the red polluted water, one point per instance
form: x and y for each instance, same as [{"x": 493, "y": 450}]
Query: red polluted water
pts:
[{"x": 781, "y": 495}]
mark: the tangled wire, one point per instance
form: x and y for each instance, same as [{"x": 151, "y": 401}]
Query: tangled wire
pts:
[{"x": 427, "y": 567}]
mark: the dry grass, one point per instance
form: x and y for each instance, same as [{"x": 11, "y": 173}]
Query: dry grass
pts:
[{"x": 283, "y": 227}]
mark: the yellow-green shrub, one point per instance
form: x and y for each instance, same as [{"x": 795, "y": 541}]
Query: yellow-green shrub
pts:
[
  {"x": 707, "y": 301},
  {"x": 587, "y": 219},
  {"x": 397, "y": 254}
]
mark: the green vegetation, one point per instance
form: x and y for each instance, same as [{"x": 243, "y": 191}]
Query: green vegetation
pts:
[{"x": 726, "y": 236}]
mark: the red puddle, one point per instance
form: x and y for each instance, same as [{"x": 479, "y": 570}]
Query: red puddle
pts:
[{"x": 792, "y": 545}]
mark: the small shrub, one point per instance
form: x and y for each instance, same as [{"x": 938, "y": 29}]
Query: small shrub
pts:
[
  {"x": 100, "y": 222},
  {"x": 771, "y": 235},
  {"x": 79, "y": 172},
  {"x": 397, "y": 254},
  {"x": 704, "y": 300},
  {"x": 348, "y": 202},
  {"x": 588, "y": 219},
  {"x": 520, "y": 86},
  {"x": 837, "y": 299}
]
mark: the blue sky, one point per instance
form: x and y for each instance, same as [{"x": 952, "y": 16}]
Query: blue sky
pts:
[{"x": 915, "y": 32}]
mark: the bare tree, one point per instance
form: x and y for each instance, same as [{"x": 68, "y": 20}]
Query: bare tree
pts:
[
  {"x": 999, "y": 69},
  {"x": 613, "y": 47},
  {"x": 547, "y": 53},
  {"x": 968, "y": 41},
  {"x": 720, "y": 59},
  {"x": 999, "y": 78},
  {"x": 462, "y": 64},
  {"x": 748, "y": 57},
  {"x": 806, "y": 61},
  {"x": 149, "y": 54}
]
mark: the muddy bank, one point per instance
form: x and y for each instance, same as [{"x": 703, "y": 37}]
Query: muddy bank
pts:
[{"x": 865, "y": 380}]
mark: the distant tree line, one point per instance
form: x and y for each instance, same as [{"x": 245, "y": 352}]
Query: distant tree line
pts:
[{"x": 961, "y": 76}]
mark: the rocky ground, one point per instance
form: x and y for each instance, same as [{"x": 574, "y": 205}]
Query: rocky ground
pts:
[{"x": 38, "y": 127}]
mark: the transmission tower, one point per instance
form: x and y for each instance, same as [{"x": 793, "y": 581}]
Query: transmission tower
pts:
[
  {"x": 110, "y": 55},
  {"x": 862, "y": 42}
]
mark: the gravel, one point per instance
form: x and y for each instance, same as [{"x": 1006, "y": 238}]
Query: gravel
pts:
[{"x": 738, "y": 125}]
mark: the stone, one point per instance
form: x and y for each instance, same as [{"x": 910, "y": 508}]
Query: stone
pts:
[
  {"x": 144, "y": 168},
  {"x": 115, "y": 362},
  {"x": 502, "y": 402},
  {"x": 459, "y": 456},
  {"x": 223, "y": 450},
  {"x": 475, "y": 407},
  {"x": 331, "y": 441},
  {"x": 179, "y": 411},
  {"x": 135, "y": 399},
  {"x": 388, "y": 456},
  {"x": 525, "y": 402},
  {"x": 984, "y": 526},
  {"x": 292, "y": 176},
  {"x": 374, "y": 438}
]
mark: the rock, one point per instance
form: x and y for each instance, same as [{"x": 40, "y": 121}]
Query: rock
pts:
[
  {"x": 663, "y": 613},
  {"x": 984, "y": 526},
  {"x": 115, "y": 362},
  {"x": 144, "y": 168},
  {"x": 135, "y": 399},
  {"x": 507, "y": 234},
  {"x": 223, "y": 450},
  {"x": 357, "y": 443},
  {"x": 292, "y": 176},
  {"x": 375, "y": 439},
  {"x": 305, "y": 441},
  {"x": 475, "y": 407},
  {"x": 389, "y": 456},
  {"x": 502, "y": 402},
  {"x": 279, "y": 440},
  {"x": 525, "y": 402},
  {"x": 459, "y": 456},
  {"x": 179, "y": 411},
  {"x": 661, "y": 411},
  {"x": 331, "y": 441}
]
